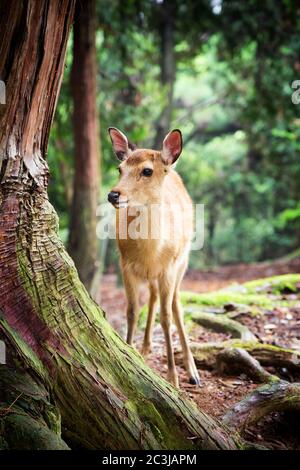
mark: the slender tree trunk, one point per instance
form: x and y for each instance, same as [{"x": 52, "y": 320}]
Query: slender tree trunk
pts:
[
  {"x": 83, "y": 242},
  {"x": 168, "y": 66},
  {"x": 64, "y": 361}
]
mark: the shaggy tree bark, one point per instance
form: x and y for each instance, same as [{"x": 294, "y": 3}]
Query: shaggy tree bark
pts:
[
  {"x": 64, "y": 360},
  {"x": 83, "y": 242}
]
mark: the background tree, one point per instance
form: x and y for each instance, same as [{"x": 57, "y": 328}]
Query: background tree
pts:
[
  {"x": 166, "y": 27},
  {"x": 176, "y": 23},
  {"x": 83, "y": 242}
]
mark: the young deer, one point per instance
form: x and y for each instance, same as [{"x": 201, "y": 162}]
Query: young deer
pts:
[{"x": 148, "y": 180}]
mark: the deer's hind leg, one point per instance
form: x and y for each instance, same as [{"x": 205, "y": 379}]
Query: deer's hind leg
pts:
[
  {"x": 188, "y": 358},
  {"x": 147, "y": 344}
]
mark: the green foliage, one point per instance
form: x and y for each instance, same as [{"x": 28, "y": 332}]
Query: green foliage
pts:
[{"x": 232, "y": 101}]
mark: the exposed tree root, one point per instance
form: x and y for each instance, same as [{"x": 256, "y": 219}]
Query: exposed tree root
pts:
[
  {"x": 238, "y": 360},
  {"x": 221, "y": 323},
  {"x": 280, "y": 396},
  {"x": 27, "y": 418},
  {"x": 246, "y": 355},
  {"x": 266, "y": 354}
]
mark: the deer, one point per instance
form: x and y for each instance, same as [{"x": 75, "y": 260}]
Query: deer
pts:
[{"x": 148, "y": 179}]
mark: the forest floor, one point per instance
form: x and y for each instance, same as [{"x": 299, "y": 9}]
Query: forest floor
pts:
[{"x": 270, "y": 311}]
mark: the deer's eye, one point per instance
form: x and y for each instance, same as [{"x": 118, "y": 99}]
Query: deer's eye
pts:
[
  {"x": 119, "y": 169},
  {"x": 147, "y": 172}
]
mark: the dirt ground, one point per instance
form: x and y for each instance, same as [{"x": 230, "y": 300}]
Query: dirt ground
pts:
[{"x": 218, "y": 393}]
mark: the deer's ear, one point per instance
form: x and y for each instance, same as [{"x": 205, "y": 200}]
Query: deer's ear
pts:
[
  {"x": 119, "y": 142},
  {"x": 172, "y": 147}
]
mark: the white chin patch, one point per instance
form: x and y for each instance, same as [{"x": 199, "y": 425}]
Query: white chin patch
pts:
[{"x": 121, "y": 205}]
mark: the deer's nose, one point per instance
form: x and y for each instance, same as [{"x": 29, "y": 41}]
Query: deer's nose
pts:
[{"x": 113, "y": 196}]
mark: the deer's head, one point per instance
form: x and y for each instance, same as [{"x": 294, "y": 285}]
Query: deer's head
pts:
[{"x": 142, "y": 171}]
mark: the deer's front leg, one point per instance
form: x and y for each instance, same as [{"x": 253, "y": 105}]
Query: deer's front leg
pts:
[
  {"x": 131, "y": 284},
  {"x": 166, "y": 290},
  {"x": 147, "y": 344}
]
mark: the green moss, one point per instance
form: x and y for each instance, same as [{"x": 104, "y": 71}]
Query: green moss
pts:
[
  {"x": 25, "y": 350},
  {"x": 221, "y": 298},
  {"x": 250, "y": 346},
  {"x": 255, "y": 345},
  {"x": 53, "y": 419},
  {"x": 28, "y": 419},
  {"x": 274, "y": 285},
  {"x": 26, "y": 433},
  {"x": 205, "y": 353},
  {"x": 254, "y": 296}
]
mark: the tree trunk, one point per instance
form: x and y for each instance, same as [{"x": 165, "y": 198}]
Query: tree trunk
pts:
[
  {"x": 167, "y": 66},
  {"x": 63, "y": 357},
  {"x": 83, "y": 242}
]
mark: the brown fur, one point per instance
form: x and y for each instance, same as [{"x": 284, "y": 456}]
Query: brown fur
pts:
[{"x": 162, "y": 261}]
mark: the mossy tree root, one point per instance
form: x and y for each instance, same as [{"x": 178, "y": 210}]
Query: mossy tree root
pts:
[
  {"x": 221, "y": 323},
  {"x": 267, "y": 354},
  {"x": 237, "y": 360},
  {"x": 28, "y": 420},
  {"x": 234, "y": 356},
  {"x": 280, "y": 396}
]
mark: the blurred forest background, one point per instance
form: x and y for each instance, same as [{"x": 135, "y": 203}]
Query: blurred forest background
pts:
[{"x": 222, "y": 72}]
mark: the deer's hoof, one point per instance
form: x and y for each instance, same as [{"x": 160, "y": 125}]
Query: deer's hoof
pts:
[
  {"x": 146, "y": 350},
  {"x": 173, "y": 379},
  {"x": 195, "y": 380}
]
